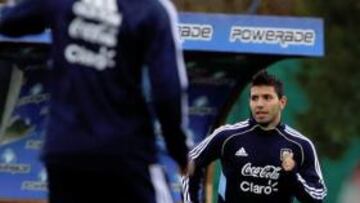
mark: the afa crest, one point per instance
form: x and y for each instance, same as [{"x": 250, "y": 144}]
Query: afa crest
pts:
[{"x": 284, "y": 152}]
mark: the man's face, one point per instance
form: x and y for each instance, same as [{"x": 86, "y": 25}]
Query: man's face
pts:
[{"x": 265, "y": 105}]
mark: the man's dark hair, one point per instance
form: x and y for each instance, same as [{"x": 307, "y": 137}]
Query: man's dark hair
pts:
[{"x": 264, "y": 78}]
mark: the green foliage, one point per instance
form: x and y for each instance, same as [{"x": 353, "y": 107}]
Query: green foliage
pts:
[{"x": 333, "y": 82}]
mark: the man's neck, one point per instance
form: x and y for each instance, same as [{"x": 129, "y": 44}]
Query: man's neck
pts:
[
  {"x": 270, "y": 126},
  {"x": 267, "y": 127}
]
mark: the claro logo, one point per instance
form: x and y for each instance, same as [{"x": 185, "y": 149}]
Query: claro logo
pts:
[{"x": 259, "y": 189}]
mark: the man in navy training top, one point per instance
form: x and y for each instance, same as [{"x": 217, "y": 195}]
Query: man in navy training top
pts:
[
  {"x": 100, "y": 143},
  {"x": 262, "y": 159}
]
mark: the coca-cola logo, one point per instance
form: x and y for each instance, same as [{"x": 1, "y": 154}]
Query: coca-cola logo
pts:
[{"x": 267, "y": 172}]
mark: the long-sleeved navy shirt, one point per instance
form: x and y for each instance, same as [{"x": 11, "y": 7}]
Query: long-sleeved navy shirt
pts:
[
  {"x": 251, "y": 165},
  {"x": 99, "y": 51}
]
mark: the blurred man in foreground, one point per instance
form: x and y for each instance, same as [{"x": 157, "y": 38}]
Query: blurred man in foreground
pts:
[{"x": 100, "y": 144}]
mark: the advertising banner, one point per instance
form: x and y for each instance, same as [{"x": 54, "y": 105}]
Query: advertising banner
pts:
[
  {"x": 22, "y": 176},
  {"x": 252, "y": 34},
  {"x": 297, "y": 36}
]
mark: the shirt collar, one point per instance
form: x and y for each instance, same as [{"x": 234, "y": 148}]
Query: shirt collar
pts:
[{"x": 252, "y": 122}]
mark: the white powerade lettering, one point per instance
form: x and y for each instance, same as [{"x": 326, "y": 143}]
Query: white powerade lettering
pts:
[
  {"x": 203, "y": 32},
  {"x": 267, "y": 35}
]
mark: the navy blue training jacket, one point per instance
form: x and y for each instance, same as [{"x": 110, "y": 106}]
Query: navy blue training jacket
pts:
[
  {"x": 251, "y": 165},
  {"x": 99, "y": 51}
]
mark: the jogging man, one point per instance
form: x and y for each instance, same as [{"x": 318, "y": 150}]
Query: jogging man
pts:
[{"x": 262, "y": 159}]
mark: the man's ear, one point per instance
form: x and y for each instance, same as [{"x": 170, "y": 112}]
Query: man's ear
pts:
[{"x": 283, "y": 102}]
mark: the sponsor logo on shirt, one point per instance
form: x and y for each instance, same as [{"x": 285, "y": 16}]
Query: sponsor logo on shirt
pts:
[
  {"x": 247, "y": 186},
  {"x": 270, "y": 172},
  {"x": 284, "y": 152},
  {"x": 267, "y": 172},
  {"x": 241, "y": 152},
  {"x": 96, "y": 22}
]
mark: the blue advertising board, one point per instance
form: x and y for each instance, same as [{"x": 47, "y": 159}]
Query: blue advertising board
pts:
[
  {"x": 22, "y": 175},
  {"x": 296, "y": 36},
  {"x": 252, "y": 34}
]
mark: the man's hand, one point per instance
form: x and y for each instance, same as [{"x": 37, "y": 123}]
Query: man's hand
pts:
[
  {"x": 188, "y": 170},
  {"x": 288, "y": 163}
]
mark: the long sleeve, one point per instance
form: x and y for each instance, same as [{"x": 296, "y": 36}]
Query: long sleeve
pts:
[
  {"x": 308, "y": 182},
  {"x": 27, "y": 17},
  {"x": 168, "y": 81},
  {"x": 202, "y": 155}
]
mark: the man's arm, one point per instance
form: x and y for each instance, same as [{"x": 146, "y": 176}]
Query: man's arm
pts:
[
  {"x": 27, "y": 17},
  {"x": 307, "y": 182},
  {"x": 168, "y": 79},
  {"x": 202, "y": 155}
]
